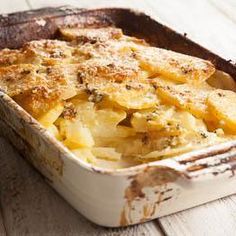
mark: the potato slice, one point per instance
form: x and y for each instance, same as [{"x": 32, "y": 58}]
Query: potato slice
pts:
[
  {"x": 165, "y": 153},
  {"x": 106, "y": 122},
  {"x": 222, "y": 105},
  {"x": 124, "y": 131},
  {"x": 54, "y": 131},
  {"x": 189, "y": 122},
  {"x": 106, "y": 153},
  {"x": 186, "y": 97},
  {"x": 152, "y": 120},
  {"x": 131, "y": 94},
  {"x": 85, "y": 154},
  {"x": 101, "y": 122},
  {"x": 172, "y": 65},
  {"x": 76, "y": 134},
  {"x": 85, "y": 112},
  {"x": 51, "y": 116},
  {"x": 222, "y": 80},
  {"x": 132, "y": 98}
]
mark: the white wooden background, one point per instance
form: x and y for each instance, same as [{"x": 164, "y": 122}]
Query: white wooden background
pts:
[{"x": 28, "y": 206}]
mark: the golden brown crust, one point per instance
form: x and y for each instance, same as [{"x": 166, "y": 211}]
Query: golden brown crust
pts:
[
  {"x": 110, "y": 97},
  {"x": 9, "y": 57},
  {"x": 173, "y": 65},
  {"x": 38, "y": 100},
  {"x": 102, "y": 59},
  {"x": 48, "y": 52},
  {"x": 38, "y": 88},
  {"x": 16, "y": 79}
]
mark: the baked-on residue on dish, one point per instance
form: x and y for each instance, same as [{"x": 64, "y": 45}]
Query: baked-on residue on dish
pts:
[{"x": 115, "y": 101}]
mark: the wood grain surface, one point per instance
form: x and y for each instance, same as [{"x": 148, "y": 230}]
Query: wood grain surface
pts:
[{"x": 28, "y": 206}]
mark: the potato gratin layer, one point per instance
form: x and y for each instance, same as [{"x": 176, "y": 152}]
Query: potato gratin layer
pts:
[{"x": 115, "y": 101}]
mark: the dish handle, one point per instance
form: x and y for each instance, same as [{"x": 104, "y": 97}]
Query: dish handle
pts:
[{"x": 204, "y": 164}]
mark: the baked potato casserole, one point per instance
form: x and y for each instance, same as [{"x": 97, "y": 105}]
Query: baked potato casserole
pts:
[{"x": 115, "y": 101}]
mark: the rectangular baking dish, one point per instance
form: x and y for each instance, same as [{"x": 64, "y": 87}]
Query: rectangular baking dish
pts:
[{"x": 115, "y": 197}]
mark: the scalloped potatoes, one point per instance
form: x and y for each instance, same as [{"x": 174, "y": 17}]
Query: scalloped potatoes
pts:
[{"x": 115, "y": 101}]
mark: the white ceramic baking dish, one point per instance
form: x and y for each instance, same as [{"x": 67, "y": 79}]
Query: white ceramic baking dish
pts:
[{"x": 116, "y": 197}]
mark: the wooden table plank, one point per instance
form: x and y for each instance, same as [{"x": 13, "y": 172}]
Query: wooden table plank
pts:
[
  {"x": 31, "y": 207},
  {"x": 227, "y": 8},
  {"x": 202, "y": 22},
  {"x": 90, "y": 3},
  {"x": 215, "y": 218},
  {"x": 13, "y": 5}
]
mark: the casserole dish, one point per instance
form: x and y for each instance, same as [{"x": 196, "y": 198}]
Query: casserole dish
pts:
[{"x": 143, "y": 192}]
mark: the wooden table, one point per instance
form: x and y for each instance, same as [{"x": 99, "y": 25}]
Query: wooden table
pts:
[{"x": 28, "y": 206}]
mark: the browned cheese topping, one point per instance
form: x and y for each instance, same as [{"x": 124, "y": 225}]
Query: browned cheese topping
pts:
[{"x": 114, "y": 100}]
